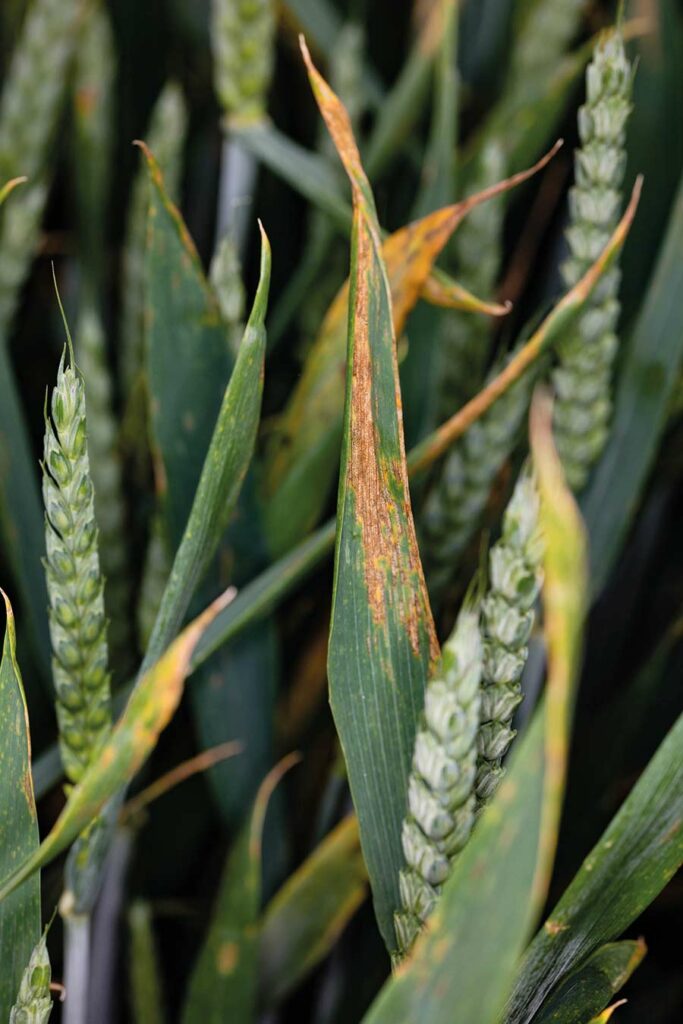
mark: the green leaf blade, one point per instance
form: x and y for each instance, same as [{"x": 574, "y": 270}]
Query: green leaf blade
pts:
[
  {"x": 586, "y": 991},
  {"x": 20, "y": 913}
]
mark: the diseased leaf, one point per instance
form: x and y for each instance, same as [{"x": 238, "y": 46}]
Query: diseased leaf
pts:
[
  {"x": 303, "y": 460},
  {"x": 223, "y": 986},
  {"x": 382, "y": 640},
  {"x": 304, "y": 919},
  {"x": 587, "y": 989},
  {"x": 150, "y": 708},
  {"x": 637, "y": 855},
  {"x": 463, "y": 965},
  {"x": 20, "y": 912}
]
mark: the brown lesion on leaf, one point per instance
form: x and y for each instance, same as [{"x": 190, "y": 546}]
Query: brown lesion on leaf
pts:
[
  {"x": 227, "y": 958},
  {"x": 391, "y": 560},
  {"x": 554, "y": 928}
]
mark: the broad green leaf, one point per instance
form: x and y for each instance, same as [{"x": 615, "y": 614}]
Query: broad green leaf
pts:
[
  {"x": 638, "y": 854},
  {"x": 302, "y": 462},
  {"x": 382, "y": 640},
  {"x": 646, "y": 381},
  {"x": 463, "y": 966},
  {"x": 189, "y": 364},
  {"x": 188, "y": 355},
  {"x": 587, "y": 990},
  {"x": 229, "y": 452},
  {"x": 223, "y": 986},
  {"x": 150, "y": 708},
  {"x": 20, "y": 913},
  {"x": 304, "y": 919}
]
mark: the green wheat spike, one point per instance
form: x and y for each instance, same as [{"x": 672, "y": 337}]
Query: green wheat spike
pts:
[
  {"x": 34, "y": 1003},
  {"x": 583, "y": 377},
  {"x": 74, "y": 582},
  {"x": 507, "y": 620},
  {"x": 441, "y": 800},
  {"x": 243, "y": 39}
]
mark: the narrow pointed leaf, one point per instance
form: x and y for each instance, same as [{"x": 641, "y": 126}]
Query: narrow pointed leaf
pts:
[
  {"x": 20, "y": 913},
  {"x": 188, "y": 355},
  {"x": 587, "y": 990},
  {"x": 147, "y": 713},
  {"x": 382, "y": 639},
  {"x": 304, "y": 919},
  {"x": 223, "y": 986}
]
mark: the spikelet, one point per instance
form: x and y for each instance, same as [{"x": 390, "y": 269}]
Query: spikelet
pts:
[
  {"x": 34, "y": 1004},
  {"x": 476, "y": 247},
  {"x": 226, "y": 277},
  {"x": 542, "y": 36},
  {"x": 507, "y": 620},
  {"x": 74, "y": 581},
  {"x": 243, "y": 40},
  {"x": 105, "y": 470},
  {"x": 457, "y": 500},
  {"x": 441, "y": 801},
  {"x": 166, "y": 139},
  {"x": 29, "y": 109},
  {"x": 586, "y": 353}
]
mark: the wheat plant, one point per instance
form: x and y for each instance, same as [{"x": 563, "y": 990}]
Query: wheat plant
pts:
[{"x": 339, "y": 674}]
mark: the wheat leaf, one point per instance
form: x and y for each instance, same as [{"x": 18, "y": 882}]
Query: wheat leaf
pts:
[{"x": 20, "y": 913}]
